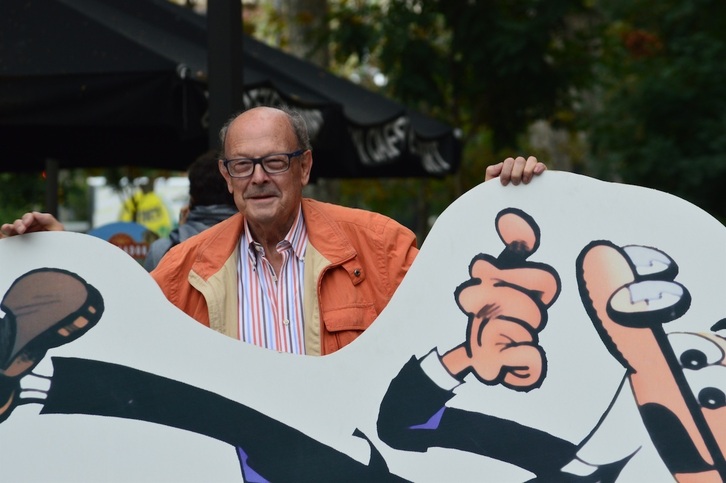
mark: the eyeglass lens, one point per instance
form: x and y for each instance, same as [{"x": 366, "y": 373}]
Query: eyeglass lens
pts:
[{"x": 272, "y": 164}]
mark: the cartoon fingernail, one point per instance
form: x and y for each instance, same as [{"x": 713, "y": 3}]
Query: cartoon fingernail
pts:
[
  {"x": 649, "y": 303},
  {"x": 651, "y": 263},
  {"x": 519, "y": 233}
]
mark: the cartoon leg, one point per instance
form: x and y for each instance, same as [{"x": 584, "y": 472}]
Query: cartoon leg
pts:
[
  {"x": 44, "y": 308},
  {"x": 272, "y": 449},
  {"x": 629, "y": 293},
  {"x": 47, "y": 308}
]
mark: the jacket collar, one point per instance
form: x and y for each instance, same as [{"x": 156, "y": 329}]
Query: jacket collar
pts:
[
  {"x": 324, "y": 233},
  {"x": 222, "y": 240},
  {"x": 220, "y": 243}
]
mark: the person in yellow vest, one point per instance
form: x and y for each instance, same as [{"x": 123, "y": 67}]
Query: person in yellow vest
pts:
[{"x": 146, "y": 208}]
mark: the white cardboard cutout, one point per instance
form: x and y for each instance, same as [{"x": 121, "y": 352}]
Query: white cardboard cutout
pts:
[{"x": 329, "y": 397}]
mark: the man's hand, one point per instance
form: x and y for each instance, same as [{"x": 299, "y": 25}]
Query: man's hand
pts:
[
  {"x": 31, "y": 222},
  {"x": 506, "y": 301},
  {"x": 515, "y": 170}
]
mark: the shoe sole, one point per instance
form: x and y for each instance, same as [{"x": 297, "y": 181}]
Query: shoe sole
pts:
[{"x": 47, "y": 308}]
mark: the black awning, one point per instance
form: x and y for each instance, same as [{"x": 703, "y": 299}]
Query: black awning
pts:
[{"x": 123, "y": 82}]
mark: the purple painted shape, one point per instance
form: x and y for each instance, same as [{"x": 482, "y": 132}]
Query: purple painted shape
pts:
[
  {"x": 433, "y": 422},
  {"x": 249, "y": 475}
]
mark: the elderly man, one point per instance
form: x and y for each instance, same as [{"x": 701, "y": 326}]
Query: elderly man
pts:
[
  {"x": 285, "y": 260},
  {"x": 287, "y": 273}
]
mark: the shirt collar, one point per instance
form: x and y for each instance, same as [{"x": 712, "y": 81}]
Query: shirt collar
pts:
[{"x": 297, "y": 238}]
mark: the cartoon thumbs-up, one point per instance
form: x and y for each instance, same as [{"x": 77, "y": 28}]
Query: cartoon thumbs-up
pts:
[{"x": 506, "y": 301}]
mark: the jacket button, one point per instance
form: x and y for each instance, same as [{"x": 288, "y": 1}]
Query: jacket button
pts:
[{"x": 356, "y": 272}]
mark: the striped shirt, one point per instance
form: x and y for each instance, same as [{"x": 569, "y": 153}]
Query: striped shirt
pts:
[{"x": 270, "y": 304}]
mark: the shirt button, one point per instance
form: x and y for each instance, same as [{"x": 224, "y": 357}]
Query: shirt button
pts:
[
  {"x": 286, "y": 322},
  {"x": 356, "y": 272}
]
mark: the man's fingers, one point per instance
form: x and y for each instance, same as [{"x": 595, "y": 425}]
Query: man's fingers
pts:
[
  {"x": 505, "y": 172},
  {"x": 32, "y": 222},
  {"x": 493, "y": 171},
  {"x": 36, "y": 221},
  {"x": 531, "y": 168},
  {"x": 19, "y": 226},
  {"x": 15, "y": 228},
  {"x": 515, "y": 170}
]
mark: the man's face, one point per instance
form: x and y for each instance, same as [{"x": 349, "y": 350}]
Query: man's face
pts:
[{"x": 268, "y": 201}]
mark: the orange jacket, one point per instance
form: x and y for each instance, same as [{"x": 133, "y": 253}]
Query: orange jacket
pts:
[{"x": 355, "y": 260}]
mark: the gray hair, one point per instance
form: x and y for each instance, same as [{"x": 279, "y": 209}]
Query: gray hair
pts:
[{"x": 297, "y": 121}]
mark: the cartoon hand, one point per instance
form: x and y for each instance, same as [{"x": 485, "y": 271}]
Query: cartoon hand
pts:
[
  {"x": 629, "y": 293},
  {"x": 506, "y": 301},
  {"x": 626, "y": 289}
]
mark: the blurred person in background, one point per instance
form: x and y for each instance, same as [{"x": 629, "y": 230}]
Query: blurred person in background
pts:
[{"x": 209, "y": 203}]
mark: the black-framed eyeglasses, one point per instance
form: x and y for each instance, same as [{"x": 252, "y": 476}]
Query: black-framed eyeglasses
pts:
[{"x": 271, "y": 164}]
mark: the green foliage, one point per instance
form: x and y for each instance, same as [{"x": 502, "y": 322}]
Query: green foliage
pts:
[
  {"x": 23, "y": 192},
  {"x": 20, "y": 193},
  {"x": 492, "y": 64},
  {"x": 73, "y": 194},
  {"x": 660, "y": 117}
]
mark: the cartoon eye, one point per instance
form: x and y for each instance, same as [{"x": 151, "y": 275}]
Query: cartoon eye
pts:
[
  {"x": 711, "y": 398},
  {"x": 708, "y": 385},
  {"x": 693, "y": 359},
  {"x": 694, "y": 351}
]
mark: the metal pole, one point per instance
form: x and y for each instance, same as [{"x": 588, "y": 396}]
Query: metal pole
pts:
[
  {"x": 224, "y": 59},
  {"x": 51, "y": 186}
]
